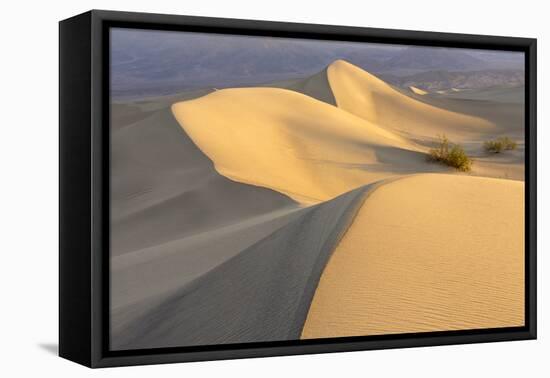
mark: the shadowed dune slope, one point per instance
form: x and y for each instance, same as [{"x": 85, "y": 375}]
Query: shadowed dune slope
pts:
[
  {"x": 315, "y": 86},
  {"x": 298, "y": 145},
  {"x": 426, "y": 253},
  {"x": 143, "y": 278},
  {"x": 173, "y": 217},
  {"x": 164, "y": 188},
  {"x": 127, "y": 112},
  {"x": 368, "y": 97},
  {"x": 261, "y": 294}
]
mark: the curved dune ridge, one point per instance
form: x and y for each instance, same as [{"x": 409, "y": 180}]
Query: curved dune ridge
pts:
[
  {"x": 315, "y": 86},
  {"x": 368, "y": 97},
  {"x": 426, "y": 253},
  {"x": 173, "y": 213},
  {"x": 303, "y": 209},
  {"x": 262, "y": 293},
  {"x": 366, "y": 137},
  {"x": 156, "y": 171},
  {"x": 294, "y": 144}
]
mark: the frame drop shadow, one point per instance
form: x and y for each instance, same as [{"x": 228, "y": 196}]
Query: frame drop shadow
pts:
[{"x": 51, "y": 348}]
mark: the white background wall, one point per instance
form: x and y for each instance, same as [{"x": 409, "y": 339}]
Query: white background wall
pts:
[{"x": 29, "y": 174}]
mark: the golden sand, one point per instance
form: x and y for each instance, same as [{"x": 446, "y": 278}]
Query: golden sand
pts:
[
  {"x": 370, "y": 98},
  {"x": 313, "y": 151},
  {"x": 418, "y": 91},
  {"x": 426, "y": 253},
  {"x": 292, "y": 143}
]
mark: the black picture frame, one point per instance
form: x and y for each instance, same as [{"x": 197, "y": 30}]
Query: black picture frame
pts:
[{"x": 84, "y": 187}]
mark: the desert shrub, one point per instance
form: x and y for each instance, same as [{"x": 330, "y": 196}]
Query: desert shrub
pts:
[
  {"x": 498, "y": 145},
  {"x": 494, "y": 146},
  {"x": 450, "y": 154}
]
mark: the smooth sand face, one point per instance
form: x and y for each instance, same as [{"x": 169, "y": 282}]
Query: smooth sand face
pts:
[
  {"x": 299, "y": 144},
  {"x": 370, "y": 98},
  {"x": 294, "y": 144},
  {"x": 426, "y": 253}
]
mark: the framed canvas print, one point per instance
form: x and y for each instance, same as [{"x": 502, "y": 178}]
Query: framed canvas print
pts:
[{"x": 234, "y": 188}]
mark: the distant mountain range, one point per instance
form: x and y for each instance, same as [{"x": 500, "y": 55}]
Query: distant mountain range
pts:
[
  {"x": 429, "y": 58},
  {"x": 158, "y": 62},
  {"x": 441, "y": 80}
]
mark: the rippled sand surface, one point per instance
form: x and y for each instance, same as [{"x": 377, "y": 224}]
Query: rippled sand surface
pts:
[{"x": 426, "y": 253}]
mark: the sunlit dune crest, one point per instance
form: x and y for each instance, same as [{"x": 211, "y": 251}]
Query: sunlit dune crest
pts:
[
  {"x": 292, "y": 143},
  {"x": 426, "y": 253},
  {"x": 311, "y": 150},
  {"x": 368, "y": 97}
]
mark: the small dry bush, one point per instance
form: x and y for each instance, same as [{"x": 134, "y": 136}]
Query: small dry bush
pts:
[
  {"x": 450, "y": 154},
  {"x": 501, "y": 144}
]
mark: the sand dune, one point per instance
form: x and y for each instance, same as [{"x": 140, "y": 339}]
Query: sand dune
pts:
[
  {"x": 418, "y": 91},
  {"x": 125, "y": 113},
  {"x": 315, "y": 86},
  {"x": 157, "y": 171},
  {"x": 363, "y": 94},
  {"x": 426, "y": 253},
  {"x": 173, "y": 216},
  {"x": 137, "y": 285},
  {"x": 507, "y": 116},
  {"x": 227, "y": 204},
  {"x": 498, "y": 109},
  {"x": 366, "y": 96},
  {"x": 261, "y": 294},
  {"x": 294, "y": 144},
  {"x": 510, "y": 95}
]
